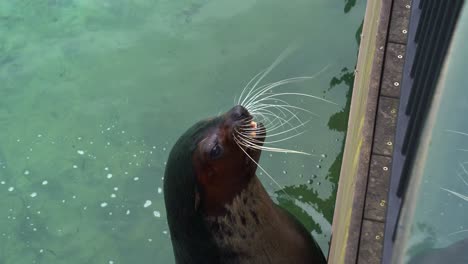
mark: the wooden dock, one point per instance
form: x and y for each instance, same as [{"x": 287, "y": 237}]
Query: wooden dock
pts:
[{"x": 359, "y": 219}]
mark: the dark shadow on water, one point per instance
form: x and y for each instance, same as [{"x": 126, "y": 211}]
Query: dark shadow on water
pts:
[
  {"x": 349, "y": 4},
  {"x": 339, "y": 121}
]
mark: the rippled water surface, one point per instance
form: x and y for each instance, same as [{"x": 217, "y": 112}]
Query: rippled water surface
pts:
[{"x": 94, "y": 93}]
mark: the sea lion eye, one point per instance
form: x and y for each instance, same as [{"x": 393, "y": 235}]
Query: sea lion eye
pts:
[{"x": 216, "y": 152}]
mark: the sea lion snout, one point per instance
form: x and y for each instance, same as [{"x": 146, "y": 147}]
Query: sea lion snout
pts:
[
  {"x": 239, "y": 113},
  {"x": 238, "y": 119}
]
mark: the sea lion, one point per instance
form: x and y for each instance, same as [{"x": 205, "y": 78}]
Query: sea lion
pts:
[{"x": 217, "y": 209}]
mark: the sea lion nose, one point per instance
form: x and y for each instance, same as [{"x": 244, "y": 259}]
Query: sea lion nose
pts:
[{"x": 239, "y": 112}]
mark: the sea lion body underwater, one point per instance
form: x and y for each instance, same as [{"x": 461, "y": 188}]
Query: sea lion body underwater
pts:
[{"x": 217, "y": 209}]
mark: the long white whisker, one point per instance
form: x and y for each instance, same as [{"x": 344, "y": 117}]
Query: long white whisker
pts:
[
  {"x": 272, "y": 149},
  {"x": 299, "y": 94},
  {"x": 459, "y": 195},
  {"x": 247, "y": 85},
  {"x": 267, "y": 87},
  {"x": 458, "y": 232},
  {"x": 258, "y": 165},
  {"x": 278, "y": 117},
  {"x": 270, "y": 86},
  {"x": 263, "y": 106},
  {"x": 456, "y": 132},
  {"x": 279, "y": 133},
  {"x": 274, "y": 141},
  {"x": 268, "y": 70}
]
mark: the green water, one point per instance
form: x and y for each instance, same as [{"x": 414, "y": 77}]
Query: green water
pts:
[{"x": 94, "y": 93}]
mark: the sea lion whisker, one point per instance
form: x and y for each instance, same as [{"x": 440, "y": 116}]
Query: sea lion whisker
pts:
[
  {"x": 271, "y": 178},
  {"x": 247, "y": 85},
  {"x": 292, "y": 113},
  {"x": 281, "y": 122},
  {"x": 459, "y": 195},
  {"x": 271, "y": 86},
  {"x": 465, "y": 171},
  {"x": 264, "y": 110},
  {"x": 261, "y": 117},
  {"x": 280, "y": 133},
  {"x": 250, "y": 129},
  {"x": 268, "y": 87},
  {"x": 279, "y": 107},
  {"x": 274, "y": 141},
  {"x": 456, "y": 132},
  {"x": 266, "y": 106},
  {"x": 271, "y": 149},
  {"x": 280, "y": 150},
  {"x": 458, "y": 232},
  {"x": 298, "y": 94},
  {"x": 270, "y": 113},
  {"x": 291, "y": 106},
  {"x": 268, "y": 70}
]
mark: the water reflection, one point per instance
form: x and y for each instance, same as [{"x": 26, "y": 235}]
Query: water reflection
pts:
[{"x": 430, "y": 241}]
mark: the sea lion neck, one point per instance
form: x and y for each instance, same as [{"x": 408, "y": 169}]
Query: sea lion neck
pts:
[{"x": 255, "y": 230}]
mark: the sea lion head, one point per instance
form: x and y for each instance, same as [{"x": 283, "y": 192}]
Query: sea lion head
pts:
[{"x": 207, "y": 168}]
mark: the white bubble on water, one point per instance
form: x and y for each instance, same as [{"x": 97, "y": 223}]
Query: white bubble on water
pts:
[
  {"x": 136, "y": 179},
  {"x": 156, "y": 214},
  {"x": 113, "y": 195},
  {"x": 80, "y": 152},
  {"x": 75, "y": 166},
  {"x": 147, "y": 203},
  {"x": 109, "y": 175},
  {"x": 128, "y": 212},
  {"x": 2, "y": 182},
  {"x": 106, "y": 168},
  {"x": 159, "y": 190},
  {"x": 11, "y": 189},
  {"x": 116, "y": 188},
  {"x": 104, "y": 204},
  {"x": 34, "y": 194},
  {"x": 26, "y": 172}
]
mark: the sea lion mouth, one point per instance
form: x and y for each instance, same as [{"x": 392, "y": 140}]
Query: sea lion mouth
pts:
[{"x": 250, "y": 139}]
